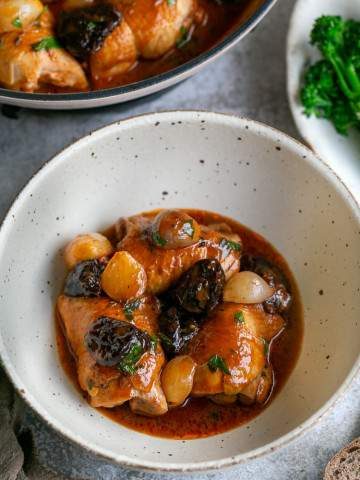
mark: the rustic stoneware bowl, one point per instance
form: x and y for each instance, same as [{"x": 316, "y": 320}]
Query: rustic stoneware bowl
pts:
[{"x": 237, "y": 167}]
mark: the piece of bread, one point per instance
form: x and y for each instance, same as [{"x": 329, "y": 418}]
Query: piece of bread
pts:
[{"x": 345, "y": 465}]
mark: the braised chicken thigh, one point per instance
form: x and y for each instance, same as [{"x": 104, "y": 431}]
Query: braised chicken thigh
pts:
[
  {"x": 164, "y": 266},
  {"x": 240, "y": 335},
  {"x": 166, "y": 310},
  {"x": 106, "y": 384},
  {"x": 29, "y": 54}
]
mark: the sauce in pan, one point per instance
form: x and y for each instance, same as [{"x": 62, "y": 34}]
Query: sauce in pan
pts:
[{"x": 200, "y": 417}]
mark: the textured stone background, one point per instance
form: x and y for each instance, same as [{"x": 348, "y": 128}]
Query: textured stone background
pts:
[{"x": 249, "y": 80}]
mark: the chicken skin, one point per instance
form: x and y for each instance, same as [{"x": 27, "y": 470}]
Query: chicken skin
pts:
[
  {"x": 149, "y": 29},
  {"x": 165, "y": 266},
  {"x": 116, "y": 56},
  {"x": 27, "y": 64},
  {"x": 107, "y": 386},
  {"x": 239, "y": 334},
  {"x": 156, "y": 25}
]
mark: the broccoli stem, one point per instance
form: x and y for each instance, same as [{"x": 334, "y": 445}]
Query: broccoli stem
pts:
[
  {"x": 346, "y": 75},
  {"x": 354, "y": 79}
]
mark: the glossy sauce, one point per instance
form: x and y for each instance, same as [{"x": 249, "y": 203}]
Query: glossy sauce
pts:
[
  {"x": 200, "y": 417},
  {"x": 221, "y": 20}
]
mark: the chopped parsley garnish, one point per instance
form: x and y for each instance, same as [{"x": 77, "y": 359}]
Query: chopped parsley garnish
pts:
[
  {"x": 46, "y": 44},
  {"x": 130, "y": 306},
  {"x": 171, "y": 2},
  {"x": 217, "y": 362},
  {"x": 91, "y": 25},
  {"x": 188, "y": 229},
  {"x": 239, "y": 317},
  {"x": 228, "y": 245},
  {"x": 128, "y": 364},
  {"x": 90, "y": 383},
  {"x": 157, "y": 239},
  {"x": 266, "y": 347},
  {"x": 154, "y": 342},
  {"x": 183, "y": 38},
  {"x": 17, "y": 22},
  {"x": 165, "y": 339}
]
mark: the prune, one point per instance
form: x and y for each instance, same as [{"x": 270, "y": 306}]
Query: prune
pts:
[
  {"x": 176, "y": 330},
  {"x": 269, "y": 272},
  {"x": 280, "y": 301},
  {"x": 113, "y": 342},
  {"x": 84, "y": 279},
  {"x": 83, "y": 30},
  {"x": 200, "y": 289}
]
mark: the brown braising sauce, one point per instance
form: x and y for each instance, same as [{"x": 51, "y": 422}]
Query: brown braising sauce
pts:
[
  {"x": 221, "y": 18},
  {"x": 200, "y": 417}
]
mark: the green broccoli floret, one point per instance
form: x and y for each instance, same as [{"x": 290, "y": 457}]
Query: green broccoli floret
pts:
[
  {"x": 332, "y": 86},
  {"x": 343, "y": 117},
  {"x": 352, "y": 43},
  {"x": 322, "y": 97},
  {"x": 337, "y": 40},
  {"x": 319, "y": 89}
]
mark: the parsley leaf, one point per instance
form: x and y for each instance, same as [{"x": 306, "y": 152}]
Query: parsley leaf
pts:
[
  {"x": 17, "y": 23},
  {"x": 165, "y": 339},
  {"x": 130, "y": 306},
  {"x": 171, "y": 2},
  {"x": 90, "y": 26},
  {"x": 90, "y": 383},
  {"x": 266, "y": 347},
  {"x": 217, "y": 362},
  {"x": 154, "y": 342},
  {"x": 188, "y": 229},
  {"x": 239, "y": 317},
  {"x": 227, "y": 246},
  {"x": 128, "y": 363},
  {"x": 184, "y": 37},
  {"x": 157, "y": 239},
  {"x": 46, "y": 44}
]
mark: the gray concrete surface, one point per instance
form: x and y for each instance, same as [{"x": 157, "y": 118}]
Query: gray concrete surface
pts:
[{"x": 250, "y": 81}]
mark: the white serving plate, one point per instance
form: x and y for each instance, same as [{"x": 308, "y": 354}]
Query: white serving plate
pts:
[
  {"x": 341, "y": 153},
  {"x": 250, "y": 172}
]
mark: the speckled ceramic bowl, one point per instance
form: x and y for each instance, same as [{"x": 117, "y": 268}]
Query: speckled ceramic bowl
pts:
[{"x": 237, "y": 167}]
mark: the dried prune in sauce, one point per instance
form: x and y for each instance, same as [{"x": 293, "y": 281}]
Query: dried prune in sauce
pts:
[
  {"x": 176, "y": 329},
  {"x": 84, "y": 279},
  {"x": 83, "y": 30},
  {"x": 200, "y": 289},
  {"x": 110, "y": 341},
  {"x": 281, "y": 300}
]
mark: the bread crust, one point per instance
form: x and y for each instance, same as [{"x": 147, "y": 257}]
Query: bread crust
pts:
[{"x": 345, "y": 465}]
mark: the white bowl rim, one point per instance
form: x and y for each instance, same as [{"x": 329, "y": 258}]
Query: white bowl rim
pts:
[{"x": 308, "y": 156}]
